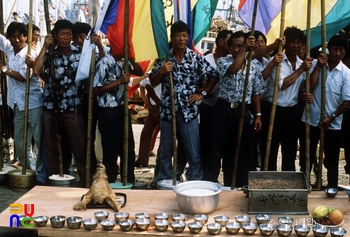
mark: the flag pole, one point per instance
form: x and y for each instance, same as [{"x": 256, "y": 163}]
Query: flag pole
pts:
[
  {"x": 307, "y": 91},
  {"x": 275, "y": 92},
  {"x": 126, "y": 99},
  {"x": 323, "y": 97},
  {"x": 53, "y": 89},
  {"x": 25, "y": 127},
  {"x": 241, "y": 119},
  {"x": 90, "y": 103}
]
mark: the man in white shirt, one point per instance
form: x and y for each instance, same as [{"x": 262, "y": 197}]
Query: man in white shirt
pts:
[
  {"x": 286, "y": 123},
  {"x": 337, "y": 102}
]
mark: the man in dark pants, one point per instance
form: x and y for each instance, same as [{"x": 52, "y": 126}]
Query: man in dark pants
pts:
[
  {"x": 337, "y": 102},
  {"x": 287, "y": 118}
]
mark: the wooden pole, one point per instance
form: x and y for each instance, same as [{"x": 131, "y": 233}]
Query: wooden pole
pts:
[
  {"x": 173, "y": 120},
  {"x": 3, "y": 77},
  {"x": 26, "y": 105},
  {"x": 275, "y": 92},
  {"x": 323, "y": 98},
  {"x": 126, "y": 98},
  {"x": 90, "y": 104},
  {"x": 241, "y": 119},
  {"x": 53, "y": 89},
  {"x": 307, "y": 91},
  {"x": 10, "y": 13}
]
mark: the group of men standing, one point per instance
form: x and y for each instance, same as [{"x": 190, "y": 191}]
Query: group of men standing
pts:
[{"x": 217, "y": 80}]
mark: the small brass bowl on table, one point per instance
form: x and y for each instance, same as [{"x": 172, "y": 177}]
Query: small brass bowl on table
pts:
[
  {"x": 285, "y": 220},
  {"x": 26, "y": 221},
  {"x": 126, "y": 225},
  {"x": 249, "y": 228},
  {"x": 57, "y": 221},
  {"x": 108, "y": 224},
  {"x": 142, "y": 223},
  {"x": 119, "y": 216},
  {"x": 90, "y": 224},
  {"x": 40, "y": 221},
  {"x": 101, "y": 215},
  {"x": 232, "y": 227},
  {"x": 266, "y": 229},
  {"x": 337, "y": 231},
  {"x": 177, "y": 217},
  {"x": 195, "y": 227},
  {"x": 302, "y": 230},
  {"x": 144, "y": 215},
  {"x": 178, "y": 226},
  {"x": 262, "y": 218},
  {"x": 203, "y": 218},
  {"x": 242, "y": 219},
  {"x": 284, "y": 230},
  {"x": 214, "y": 228},
  {"x": 74, "y": 222},
  {"x": 320, "y": 230},
  {"x": 161, "y": 225},
  {"x": 221, "y": 219},
  {"x": 161, "y": 216}
]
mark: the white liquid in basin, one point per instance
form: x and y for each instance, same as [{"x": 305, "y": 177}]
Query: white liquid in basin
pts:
[{"x": 197, "y": 192}]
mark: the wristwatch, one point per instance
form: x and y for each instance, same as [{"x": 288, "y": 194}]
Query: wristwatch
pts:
[
  {"x": 4, "y": 69},
  {"x": 204, "y": 93},
  {"x": 333, "y": 115}
]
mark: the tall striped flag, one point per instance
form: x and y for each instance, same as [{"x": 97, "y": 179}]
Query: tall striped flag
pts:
[{"x": 268, "y": 17}]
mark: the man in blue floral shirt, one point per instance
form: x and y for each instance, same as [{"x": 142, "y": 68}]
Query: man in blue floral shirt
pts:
[
  {"x": 66, "y": 59},
  {"x": 108, "y": 85},
  {"x": 232, "y": 73},
  {"x": 187, "y": 68}
]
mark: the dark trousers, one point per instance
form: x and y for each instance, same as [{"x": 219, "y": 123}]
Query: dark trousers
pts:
[
  {"x": 332, "y": 140},
  {"x": 225, "y": 131},
  {"x": 285, "y": 133},
  {"x": 76, "y": 131},
  {"x": 111, "y": 126},
  {"x": 346, "y": 139}
]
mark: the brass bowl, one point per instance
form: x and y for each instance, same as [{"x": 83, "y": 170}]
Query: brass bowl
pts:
[
  {"x": 126, "y": 225},
  {"x": 214, "y": 228},
  {"x": 74, "y": 222},
  {"x": 242, "y": 219},
  {"x": 178, "y": 226},
  {"x": 161, "y": 216},
  {"x": 119, "y": 216},
  {"x": 26, "y": 222},
  {"x": 161, "y": 225},
  {"x": 320, "y": 230},
  {"x": 142, "y": 223},
  {"x": 337, "y": 232},
  {"x": 249, "y": 228},
  {"x": 284, "y": 230},
  {"x": 40, "y": 221},
  {"x": 195, "y": 227},
  {"x": 302, "y": 230},
  {"x": 57, "y": 221},
  {"x": 90, "y": 224},
  {"x": 101, "y": 215},
  {"x": 203, "y": 218},
  {"x": 285, "y": 220},
  {"x": 266, "y": 229},
  {"x": 177, "y": 217},
  {"x": 142, "y": 215},
  {"x": 262, "y": 218},
  {"x": 108, "y": 224},
  {"x": 221, "y": 219},
  {"x": 232, "y": 227}
]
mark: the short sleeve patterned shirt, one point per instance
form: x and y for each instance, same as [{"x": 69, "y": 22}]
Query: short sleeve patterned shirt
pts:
[
  {"x": 186, "y": 77},
  {"x": 231, "y": 86},
  {"x": 67, "y": 90}
]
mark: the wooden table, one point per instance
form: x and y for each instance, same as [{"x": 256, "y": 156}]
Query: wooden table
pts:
[{"x": 52, "y": 201}]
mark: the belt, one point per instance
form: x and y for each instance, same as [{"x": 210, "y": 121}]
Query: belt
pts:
[{"x": 228, "y": 104}]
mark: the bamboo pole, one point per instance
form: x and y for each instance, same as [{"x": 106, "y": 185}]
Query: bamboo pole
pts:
[
  {"x": 53, "y": 89},
  {"x": 3, "y": 77},
  {"x": 26, "y": 105},
  {"x": 173, "y": 120},
  {"x": 307, "y": 91},
  {"x": 241, "y": 119},
  {"x": 90, "y": 104},
  {"x": 126, "y": 98},
  {"x": 323, "y": 97},
  {"x": 10, "y": 13},
  {"x": 275, "y": 92}
]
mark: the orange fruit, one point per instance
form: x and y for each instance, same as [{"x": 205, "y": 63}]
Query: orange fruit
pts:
[{"x": 335, "y": 217}]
